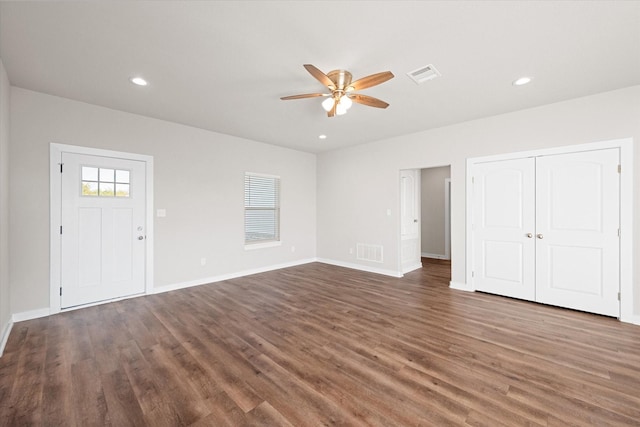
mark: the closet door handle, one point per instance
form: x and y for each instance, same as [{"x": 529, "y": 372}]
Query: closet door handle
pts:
[
  {"x": 529, "y": 235},
  {"x": 539, "y": 236}
]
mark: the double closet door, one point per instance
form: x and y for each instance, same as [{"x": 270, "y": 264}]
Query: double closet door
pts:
[{"x": 546, "y": 229}]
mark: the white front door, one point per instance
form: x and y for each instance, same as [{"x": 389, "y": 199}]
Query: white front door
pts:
[
  {"x": 103, "y": 228},
  {"x": 577, "y": 242},
  {"x": 503, "y": 228},
  {"x": 409, "y": 220}
]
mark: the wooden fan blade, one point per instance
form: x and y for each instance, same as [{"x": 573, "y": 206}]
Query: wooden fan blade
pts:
[
  {"x": 306, "y": 95},
  {"x": 368, "y": 100},
  {"x": 372, "y": 80},
  {"x": 320, "y": 76}
]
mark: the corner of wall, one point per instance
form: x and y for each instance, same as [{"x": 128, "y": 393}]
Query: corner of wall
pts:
[{"x": 5, "y": 308}]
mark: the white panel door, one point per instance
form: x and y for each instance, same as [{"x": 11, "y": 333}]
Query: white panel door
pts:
[
  {"x": 103, "y": 228},
  {"x": 409, "y": 220},
  {"x": 503, "y": 228},
  {"x": 577, "y": 243}
]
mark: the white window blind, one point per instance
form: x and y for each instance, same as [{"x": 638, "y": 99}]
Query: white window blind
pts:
[{"x": 261, "y": 208}]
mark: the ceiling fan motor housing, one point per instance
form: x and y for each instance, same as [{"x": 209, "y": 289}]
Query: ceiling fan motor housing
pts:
[{"x": 341, "y": 78}]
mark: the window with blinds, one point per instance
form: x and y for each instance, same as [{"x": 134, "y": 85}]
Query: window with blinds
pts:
[{"x": 261, "y": 208}]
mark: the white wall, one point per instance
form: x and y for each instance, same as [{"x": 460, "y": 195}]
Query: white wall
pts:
[
  {"x": 5, "y": 311},
  {"x": 199, "y": 180},
  {"x": 357, "y": 185},
  {"x": 432, "y": 210}
]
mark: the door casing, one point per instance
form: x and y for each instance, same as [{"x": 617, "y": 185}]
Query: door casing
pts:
[
  {"x": 55, "y": 203},
  {"x": 447, "y": 218},
  {"x": 626, "y": 208}
]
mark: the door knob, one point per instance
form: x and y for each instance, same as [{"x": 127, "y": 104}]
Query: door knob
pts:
[
  {"x": 529, "y": 235},
  {"x": 140, "y": 237},
  {"x": 539, "y": 236},
  {"x": 415, "y": 220}
]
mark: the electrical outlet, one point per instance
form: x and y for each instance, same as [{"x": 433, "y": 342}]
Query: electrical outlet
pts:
[{"x": 203, "y": 261}]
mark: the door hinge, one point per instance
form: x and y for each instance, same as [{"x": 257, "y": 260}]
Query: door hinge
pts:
[
  {"x": 618, "y": 296},
  {"x": 60, "y": 290},
  {"x": 618, "y": 232},
  {"x": 61, "y": 166},
  {"x": 473, "y": 274},
  {"x": 473, "y": 179},
  {"x": 619, "y": 168},
  {"x": 60, "y": 229}
]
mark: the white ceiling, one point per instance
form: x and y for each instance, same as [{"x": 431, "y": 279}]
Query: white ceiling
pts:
[{"x": 224, "y": 65}]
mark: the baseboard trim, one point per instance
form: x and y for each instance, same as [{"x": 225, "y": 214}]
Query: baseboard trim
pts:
[
  {"x": 434, "y": 256},
  {"x": 634, "y": 320},
  {"x": 460, "y": 286},
  {"x": 229, "y": 276},
  {"x": 412, "y": 268},
  {"x": 360, "y": 267},
  {"x": 31, "y": 314},
  {"x": 5, "y": 336}
]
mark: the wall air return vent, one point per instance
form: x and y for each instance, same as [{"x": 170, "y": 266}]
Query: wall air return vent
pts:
[
  {"x": 369, "y": 252},
  {"x": 423, "y": 74}
]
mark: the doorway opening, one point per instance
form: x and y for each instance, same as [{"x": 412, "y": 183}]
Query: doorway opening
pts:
[
  {"x": 428, "y": 226},
  {"x": 435, "y": 220}
]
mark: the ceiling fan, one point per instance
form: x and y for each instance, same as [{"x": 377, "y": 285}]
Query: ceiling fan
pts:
[{"x": 342, "y": 90}]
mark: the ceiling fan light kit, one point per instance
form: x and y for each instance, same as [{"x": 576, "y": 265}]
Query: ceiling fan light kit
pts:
[
  {"x": 342, "y": 95},
  {"x": 344, "y": 103}
]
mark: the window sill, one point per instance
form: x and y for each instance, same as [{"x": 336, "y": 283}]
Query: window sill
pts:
[{"x": 253, "y": 246}]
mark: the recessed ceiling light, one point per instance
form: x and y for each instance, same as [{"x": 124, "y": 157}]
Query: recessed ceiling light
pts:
[
  {"x": 322, "y": 136},
  {"x": 521, "y": 81},
  {"x": 138, "y": 81}
]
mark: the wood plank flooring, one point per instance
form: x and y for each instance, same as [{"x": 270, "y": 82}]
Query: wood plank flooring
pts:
[{"x": 319, "y": 345}]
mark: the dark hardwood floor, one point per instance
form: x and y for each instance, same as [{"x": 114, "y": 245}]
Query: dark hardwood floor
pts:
[{"x": 322, "y": 345}]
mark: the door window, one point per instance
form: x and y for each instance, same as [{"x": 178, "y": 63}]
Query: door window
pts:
[{"x": 105, "y": 182}]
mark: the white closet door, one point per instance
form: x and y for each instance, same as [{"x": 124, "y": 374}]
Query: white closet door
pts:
[
  {"x": 577, "y": 242},
  {"x": 503, "y": 228}
]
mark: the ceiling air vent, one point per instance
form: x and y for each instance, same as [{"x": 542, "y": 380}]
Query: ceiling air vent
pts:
[{"x": 423, "y": 74}]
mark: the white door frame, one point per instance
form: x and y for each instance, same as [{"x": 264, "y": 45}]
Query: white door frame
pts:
[
  {"x": 626, "y": 213},
  {"x": 55, "y": 217},
  {"x": 447, "y": 218}
]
